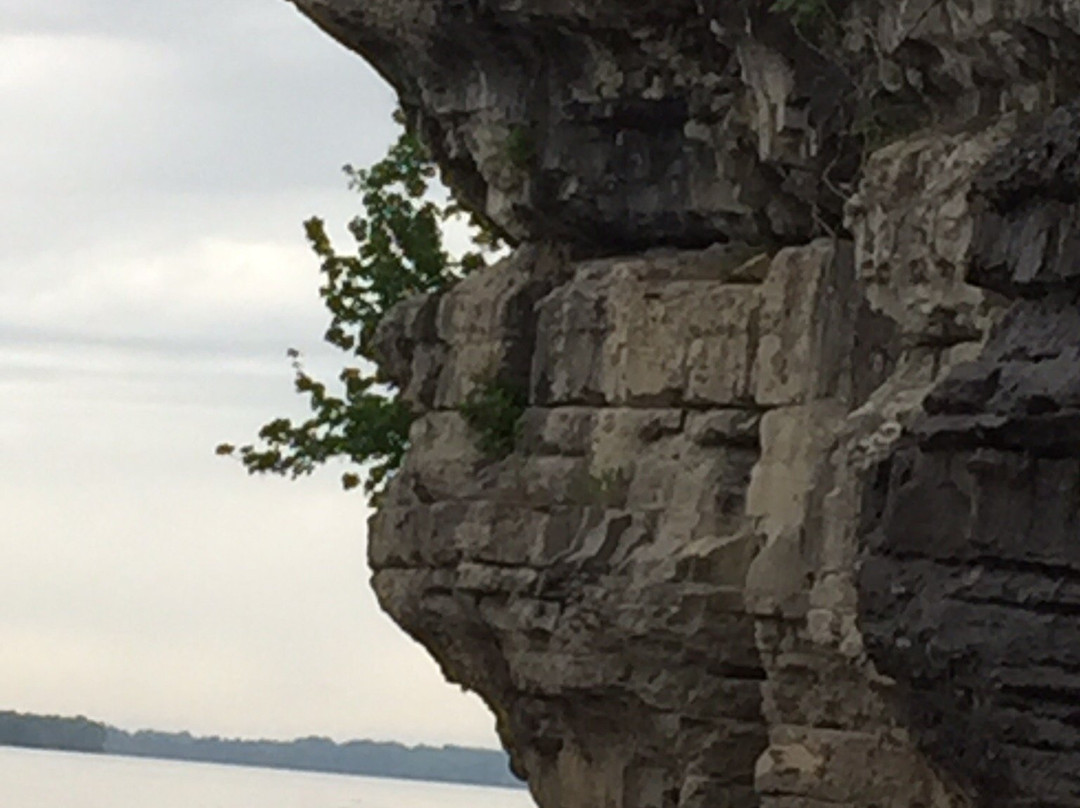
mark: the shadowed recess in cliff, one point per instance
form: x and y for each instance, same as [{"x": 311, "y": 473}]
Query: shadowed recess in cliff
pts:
[{"x": 617, "y": 128}]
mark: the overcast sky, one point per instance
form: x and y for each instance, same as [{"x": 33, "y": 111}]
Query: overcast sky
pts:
[{"x": 156, "y": 161}]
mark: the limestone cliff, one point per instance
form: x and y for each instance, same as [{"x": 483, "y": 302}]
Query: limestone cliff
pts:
[
  {"x": 971, "y": 597},
  {"x": 782, "y": 525}
]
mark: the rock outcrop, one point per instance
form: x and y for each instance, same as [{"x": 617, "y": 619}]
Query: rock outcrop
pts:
[
  {"x": 781, "y": 526},
  {"x": 971, "y": 584},
  {"x": 619, "y": 126}
]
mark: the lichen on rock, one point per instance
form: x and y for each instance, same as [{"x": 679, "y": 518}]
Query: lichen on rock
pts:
[{"x": 789, "y": 519}]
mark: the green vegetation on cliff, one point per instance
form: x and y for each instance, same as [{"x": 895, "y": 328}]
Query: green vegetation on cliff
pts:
[{"x": 400, "y": 252}]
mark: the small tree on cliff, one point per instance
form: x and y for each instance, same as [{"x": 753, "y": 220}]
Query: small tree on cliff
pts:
[{"x": 399, "y": 252}]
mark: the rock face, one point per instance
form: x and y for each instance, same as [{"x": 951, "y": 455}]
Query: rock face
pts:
[
  {"x": 782, "y": 525},
  {"x": 609, "y": 125},
  {"x": 562, "y": 581},
  {"x": 971, "y": 585},
  {"x": 618, "y": 126}
]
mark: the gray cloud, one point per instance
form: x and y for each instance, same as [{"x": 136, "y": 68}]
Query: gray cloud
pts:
[{"x": 157, "y": 164}]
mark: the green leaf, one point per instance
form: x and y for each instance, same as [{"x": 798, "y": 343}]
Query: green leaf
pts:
[{"x": 399, "y": 252}]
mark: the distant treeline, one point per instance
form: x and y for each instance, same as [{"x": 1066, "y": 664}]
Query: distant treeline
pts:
[
  {"x": 453, "y": 764},
  {"x": 52, "y": 732}
]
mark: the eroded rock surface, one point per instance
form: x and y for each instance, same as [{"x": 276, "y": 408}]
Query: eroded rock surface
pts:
[
  {"x": 615, "y": 126},
  {"x": 971, "y": 585},
  {"x": 778, "y": 529},
  {"x": 563, "y": 581}
]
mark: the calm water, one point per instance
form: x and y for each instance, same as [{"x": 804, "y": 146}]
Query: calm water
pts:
[{"x": 35, "y": 779}]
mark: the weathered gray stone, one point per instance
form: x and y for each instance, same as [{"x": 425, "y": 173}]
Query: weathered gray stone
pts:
[
  {"x": 913, "y": 246},
  {"x": 695, "y": 529},
  {"x": 969, "y": 585},
  {"x": 613, "y": 539},
  {"x": 607, "y": 125},
  {"x": 623, "y": 334},
  {"x": 688, "y": 122}
]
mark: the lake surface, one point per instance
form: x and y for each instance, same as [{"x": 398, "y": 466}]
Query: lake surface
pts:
[{"x": 44, "y": 779}]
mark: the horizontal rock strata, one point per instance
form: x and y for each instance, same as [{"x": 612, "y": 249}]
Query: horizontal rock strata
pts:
[
  {"x": 616, "y": 126},
  {"x": 971, "y": 582}
]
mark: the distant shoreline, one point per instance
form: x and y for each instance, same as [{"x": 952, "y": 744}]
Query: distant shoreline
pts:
[
  {"x": 518, "y": 786},
  {"x": 364, "y": 758}
]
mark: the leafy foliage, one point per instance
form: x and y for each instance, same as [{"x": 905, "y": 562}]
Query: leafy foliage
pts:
[
  {"x": 493, "y": 410},
  {"x": 400, "y": 252}
]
